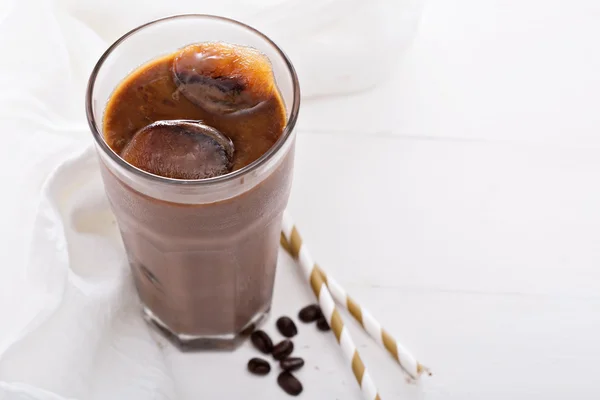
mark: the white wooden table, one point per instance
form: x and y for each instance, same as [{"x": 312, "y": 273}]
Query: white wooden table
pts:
[{"x": 461, "y": 204}]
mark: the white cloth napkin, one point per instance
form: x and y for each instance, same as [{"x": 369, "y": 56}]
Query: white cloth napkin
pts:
[{"x": 70, "y": 326}]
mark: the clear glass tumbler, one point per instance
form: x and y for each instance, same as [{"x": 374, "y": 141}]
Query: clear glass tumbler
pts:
[{"x": 203, "y": 253}]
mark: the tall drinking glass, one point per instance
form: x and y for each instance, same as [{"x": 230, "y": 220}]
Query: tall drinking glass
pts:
[{"x": 203, "y": 253}]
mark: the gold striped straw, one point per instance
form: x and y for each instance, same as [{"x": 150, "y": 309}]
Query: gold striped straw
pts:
[
  {"x": 312, "y": 274},
  {"x": 406, "y": 360}
]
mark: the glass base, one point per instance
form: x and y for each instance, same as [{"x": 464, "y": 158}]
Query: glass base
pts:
[{"x": 186, "y": 342}]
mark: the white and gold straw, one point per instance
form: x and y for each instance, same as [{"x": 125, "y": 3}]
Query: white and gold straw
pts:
[
  {"x": 406, "y": 360},
  {"x": 312, "y": 274}
]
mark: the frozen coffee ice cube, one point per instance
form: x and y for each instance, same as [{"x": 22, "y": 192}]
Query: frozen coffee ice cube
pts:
[
  {"x": 180, "y": 149},
  {"x": 223, "y": 78}
]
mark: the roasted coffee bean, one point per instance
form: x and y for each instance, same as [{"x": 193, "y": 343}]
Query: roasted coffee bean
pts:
[
  {"x": 262, "y": 341},
  {"x": 322, "y": 324},
  {"x": 287, "y": 327},
  {"x": 258, "y": 366},
  {"x": 289, "y": 383},
  {"x": 283, "y": 349},
  {"x": 291, "y": 363},
  {"x": 310, "y": 313},
  {"x": 180, "y": 149}
]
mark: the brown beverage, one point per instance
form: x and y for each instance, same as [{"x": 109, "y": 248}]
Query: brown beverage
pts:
[{"x": 204, "y": 271}]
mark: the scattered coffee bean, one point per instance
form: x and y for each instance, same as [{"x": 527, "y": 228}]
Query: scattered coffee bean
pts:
[
  {"x": 258, "y": 366},
  {"x": 289, "y": 383},
  {"x": 283, "y": 349},
  {"x": 291, "y": 364},
  {"x": 310, "y": 313},
  {"x": 262, "y": 341},
  {"x": 322, "y": 324},
  {"x": 287, "y": 327}
]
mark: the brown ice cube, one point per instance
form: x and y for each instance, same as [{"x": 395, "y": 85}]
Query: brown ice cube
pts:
[
  {"x": 223, "y": 78},
  {"x": 180, "y": 149}
]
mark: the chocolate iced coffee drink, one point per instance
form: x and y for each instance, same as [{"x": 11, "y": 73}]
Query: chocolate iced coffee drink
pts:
[{"x": 200, "y": 201}]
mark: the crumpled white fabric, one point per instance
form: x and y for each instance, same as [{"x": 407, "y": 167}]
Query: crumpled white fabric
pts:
[{"x": 70, "y": 326}]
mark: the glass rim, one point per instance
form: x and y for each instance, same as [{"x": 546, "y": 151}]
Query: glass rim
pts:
[{"x": 286, "y": 134}]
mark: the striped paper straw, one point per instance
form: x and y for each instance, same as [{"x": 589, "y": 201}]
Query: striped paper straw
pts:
[
  {"x": 312, "y": 274},
  {"x": 406, "y": 360}
]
